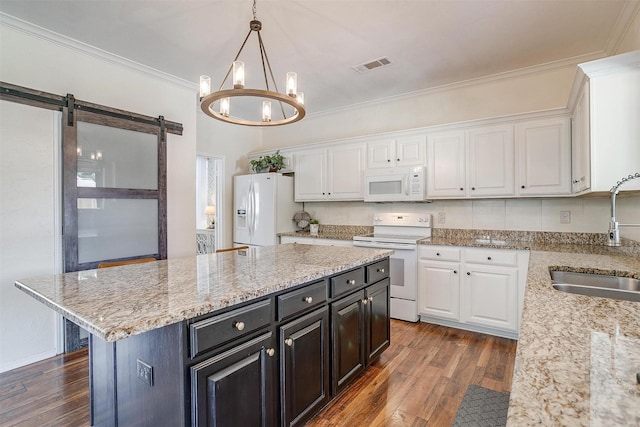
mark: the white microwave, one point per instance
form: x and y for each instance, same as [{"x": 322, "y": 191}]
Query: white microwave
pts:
[{"x": 395, "y": 184}]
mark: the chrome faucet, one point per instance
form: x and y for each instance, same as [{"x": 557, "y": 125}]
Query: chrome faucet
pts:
[{"x": 614, "y": 231}]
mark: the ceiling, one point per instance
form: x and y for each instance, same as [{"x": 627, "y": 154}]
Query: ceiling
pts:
[{"x": 430, "y": 43}]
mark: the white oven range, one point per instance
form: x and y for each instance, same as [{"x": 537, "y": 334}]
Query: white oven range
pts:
[{"x": 400, "y": 232}]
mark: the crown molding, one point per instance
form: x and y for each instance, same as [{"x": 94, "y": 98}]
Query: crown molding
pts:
[
  {"x": 67, "y": 42},
  {"x": 623, "y": 24}
]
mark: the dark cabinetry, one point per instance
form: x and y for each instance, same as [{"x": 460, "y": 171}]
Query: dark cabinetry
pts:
[
  {"x": 236, "y": 388},
  {"x": 268, "y": 362},
  {"x": 360, "y": 326},
  {"x": 304, "y": 364}
]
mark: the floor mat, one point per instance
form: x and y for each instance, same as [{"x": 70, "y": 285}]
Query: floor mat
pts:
[{"x": 482, "y": 407}]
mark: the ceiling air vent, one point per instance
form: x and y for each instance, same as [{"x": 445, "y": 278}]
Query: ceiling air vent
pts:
[{"x": 376, "y": 63}]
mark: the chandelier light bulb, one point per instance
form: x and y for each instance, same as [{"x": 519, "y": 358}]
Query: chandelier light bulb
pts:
[
  {"x": 266, "y": 111},
  {"x": 292, "y": 83},
  {"x": 205, "y": 86},
  {"x": 300, "y": 97},
  {"x": 98, "y": 155},
  {"x": 224, "y": 106},
  {"x": 238, "y": 75},
  {"x": 79, "y": 151}
]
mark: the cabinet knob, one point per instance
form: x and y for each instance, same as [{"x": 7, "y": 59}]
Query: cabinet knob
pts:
[
  {"x": 365, "y": 301},
  {"x": 489, "y": 258},
  {"x": 455, "y": 271},
  {"x": 389, "y": 160},
  {"x": 397, "y": 160},
  {"x": 351, "y": 282},
  {"x": 575, "y": 181},
  {"x": 473, "y": 188},
  {"x": 271, "y": 352},
  {"x": 437, "y": 253},
  {"x": 468, "y": 273},
  {"x": 238, "y": 325},
  {"x": 461, "y": 189},
  {"x": 289, "y": 341},
  {"x": 308, "y": 300},
  {"x": 522, "y": 186},
  {"x": 380, "y": 270}
]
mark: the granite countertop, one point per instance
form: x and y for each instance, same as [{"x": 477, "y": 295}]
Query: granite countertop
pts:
[
  {"x": 117, "y": 302},
  {"x": 334, "y": 232}
]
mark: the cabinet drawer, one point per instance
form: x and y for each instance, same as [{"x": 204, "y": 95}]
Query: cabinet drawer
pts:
[
  {"x": 297, "y": 301},
  {"x": 217, "y": 330},
  {"x": 491, "y": 257},
  {"x": 346, "y": 282},
  {"x": 439, "y": 253},
  {"x": 378, "y": 271}
]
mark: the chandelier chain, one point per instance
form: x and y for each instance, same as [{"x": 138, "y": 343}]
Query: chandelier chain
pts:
[{"x": 254, "y": 10}]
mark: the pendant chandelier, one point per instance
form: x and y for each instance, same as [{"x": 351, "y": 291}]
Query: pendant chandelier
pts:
[{"x": 219, "y": 104}]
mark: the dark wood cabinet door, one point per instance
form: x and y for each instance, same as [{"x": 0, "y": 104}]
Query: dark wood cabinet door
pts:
[
  {"x": 378, "y": 319},
  {"x": 236, "y": 388},
  {"x": 347, "y": 334},
  {"x": 304, "y": 370}
]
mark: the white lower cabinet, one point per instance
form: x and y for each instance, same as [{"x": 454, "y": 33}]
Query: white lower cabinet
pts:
[
  {"x": 490, "y": 296},
  {"x": 472, "y": 288},
  {"x": 439, "y": 293}
]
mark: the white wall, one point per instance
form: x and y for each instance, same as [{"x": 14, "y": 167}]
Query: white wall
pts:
[
  {"x": 510, "y": 94},
  {"x": 40, "y": 60},
  {"x": 29, "y": 246},
  {"x": 232, "y": 143}
]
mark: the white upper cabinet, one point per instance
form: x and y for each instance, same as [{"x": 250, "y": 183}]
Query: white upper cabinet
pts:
[
  {"x": 446, "y": 168},
  {"x": 333, "y": 173},
  {"x": 606, "y": 105},
  {"x": 580, "y": 145},
  {"x": 544, "y": 157},
  {"x": 491, "y": 161},
  {"x": 474, "y": 163},
  {"x": 405, "y": 151}
]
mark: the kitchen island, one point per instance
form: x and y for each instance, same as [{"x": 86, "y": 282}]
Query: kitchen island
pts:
[{"x": 238, "y": 338}]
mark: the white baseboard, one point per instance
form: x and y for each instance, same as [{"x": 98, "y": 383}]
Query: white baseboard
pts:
[{"x": 26, "y": 361}]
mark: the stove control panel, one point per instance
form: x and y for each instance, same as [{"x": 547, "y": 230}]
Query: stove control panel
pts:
[{"x": 403, "y": 219}]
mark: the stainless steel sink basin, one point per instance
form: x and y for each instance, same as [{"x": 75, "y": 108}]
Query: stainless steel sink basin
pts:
[{"x": 597, "y": 285}]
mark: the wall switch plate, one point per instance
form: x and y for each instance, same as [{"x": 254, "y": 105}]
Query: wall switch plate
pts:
[
  {"x": 442, "y": 217},
  {"x": 565, "y": 217},
  {"x": 144, "y": 372}
]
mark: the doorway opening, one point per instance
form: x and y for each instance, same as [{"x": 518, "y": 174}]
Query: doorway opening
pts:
[{"x": 209, "y": 203}]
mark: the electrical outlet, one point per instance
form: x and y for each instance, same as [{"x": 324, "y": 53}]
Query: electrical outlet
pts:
[
  {"x": 144, "y": 372},
  {"x": 442, "y": 217},
  {"x": 565, "y": 217}
]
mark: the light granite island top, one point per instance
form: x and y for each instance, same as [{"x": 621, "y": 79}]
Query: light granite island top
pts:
[{"x": 114, "y": 303}]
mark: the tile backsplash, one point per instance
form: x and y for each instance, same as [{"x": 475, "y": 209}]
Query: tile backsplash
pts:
[{"x": 564, "y": 214}]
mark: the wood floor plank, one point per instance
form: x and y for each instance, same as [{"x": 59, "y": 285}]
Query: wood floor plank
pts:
[{"x": 420, "y": 380}]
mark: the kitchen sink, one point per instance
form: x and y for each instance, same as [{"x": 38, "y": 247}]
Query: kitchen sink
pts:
[{"x": 597, "y": 285}]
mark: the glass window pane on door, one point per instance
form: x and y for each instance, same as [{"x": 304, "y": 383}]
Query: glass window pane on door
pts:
[
  {"x": 116, "y": 228},
  {"x": 116, "y": 158}
]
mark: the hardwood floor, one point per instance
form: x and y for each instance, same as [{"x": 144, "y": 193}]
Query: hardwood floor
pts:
[{"x": 420, "y": 380}]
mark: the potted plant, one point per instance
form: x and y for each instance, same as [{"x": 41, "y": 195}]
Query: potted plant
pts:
[
  {"x": 272, "y": 163},
  {"x": 314, "y": 224}
]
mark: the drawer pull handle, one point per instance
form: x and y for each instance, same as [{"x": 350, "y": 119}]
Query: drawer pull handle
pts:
[
  {"x": 365, "y": 301},
  {"x": 238, "y": 325},
  {"x": 380, "y": 270},
  {"x": 289, "y": 341},
  {"x": 351, "y": 282},
  {"x": 271, "y": 352},
  {"x": 308, "y": 300},
  {"x": 489, "y": 258}
]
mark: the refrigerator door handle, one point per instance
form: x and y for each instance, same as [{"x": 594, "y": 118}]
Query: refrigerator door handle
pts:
[{"x": 252, "y": 214}]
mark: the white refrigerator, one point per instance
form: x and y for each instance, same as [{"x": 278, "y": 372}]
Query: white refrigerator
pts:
[{"x": 263, "y": 206}]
